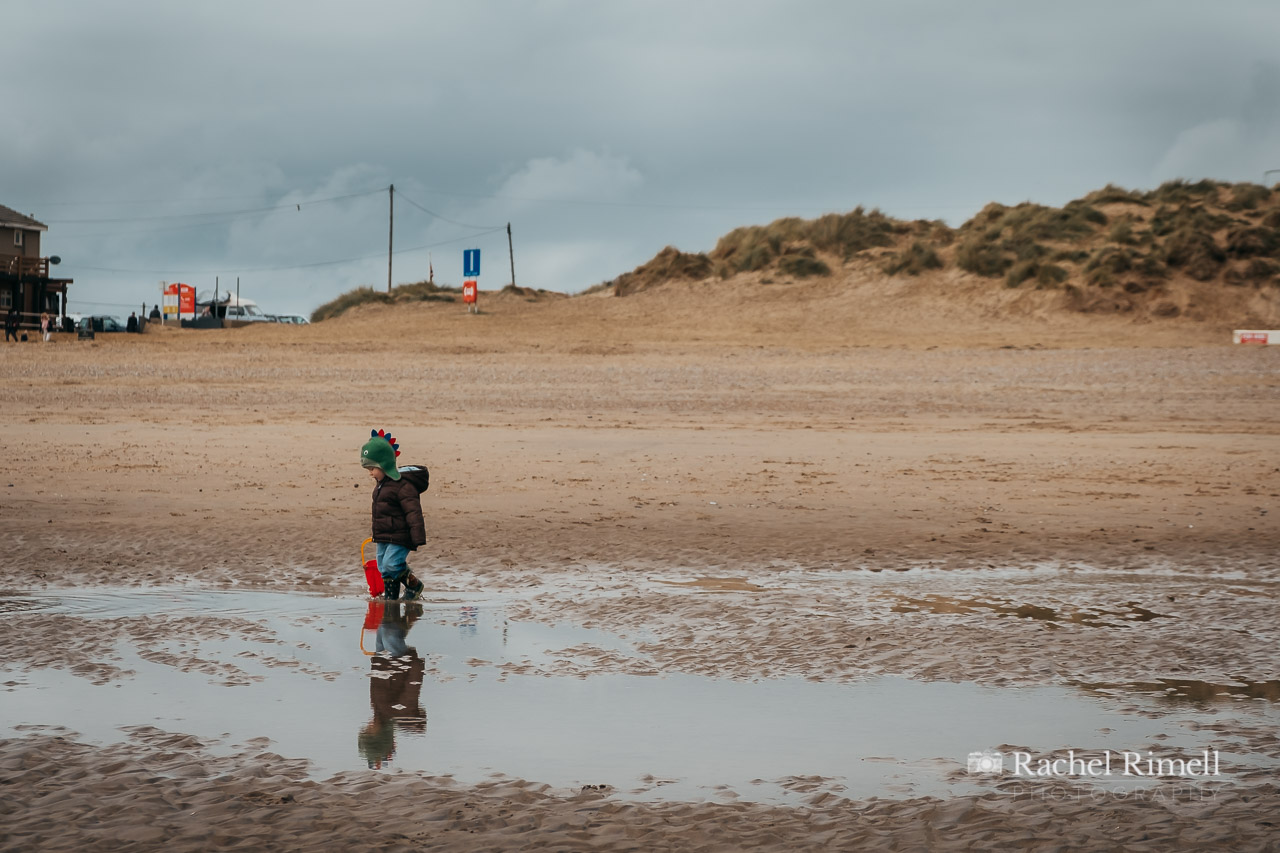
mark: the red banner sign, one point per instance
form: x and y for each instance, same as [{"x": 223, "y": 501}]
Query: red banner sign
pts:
[{"x": 180, "y": 300}]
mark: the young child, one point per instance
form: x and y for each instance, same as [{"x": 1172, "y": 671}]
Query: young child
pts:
[{"x": 398, "y": 526}]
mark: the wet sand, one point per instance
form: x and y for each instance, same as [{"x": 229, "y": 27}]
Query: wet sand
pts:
[
  {"x": 1077, "y": 514},
  {"x": 163, "y": 791}
]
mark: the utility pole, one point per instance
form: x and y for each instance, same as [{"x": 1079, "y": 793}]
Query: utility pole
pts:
[
  {"x": 512, "y": 252},
  {"x": 391, "y": 233},
  {"x": 391, "y": 230}
]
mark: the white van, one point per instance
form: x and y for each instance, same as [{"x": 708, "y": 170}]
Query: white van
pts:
[{"x": 231, "y": 307}]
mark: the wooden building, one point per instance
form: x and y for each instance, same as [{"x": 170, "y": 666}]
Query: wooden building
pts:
[{"x": 24, "y": 275}]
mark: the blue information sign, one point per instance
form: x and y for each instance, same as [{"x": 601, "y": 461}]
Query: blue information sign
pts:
[{"x": 470, "y": 263}]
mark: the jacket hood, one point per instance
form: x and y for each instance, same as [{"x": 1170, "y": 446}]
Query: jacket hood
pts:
[{"x": 416, "y": 475}]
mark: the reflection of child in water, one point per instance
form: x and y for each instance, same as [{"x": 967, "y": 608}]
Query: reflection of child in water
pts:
[{"x": 395, "y": 682}]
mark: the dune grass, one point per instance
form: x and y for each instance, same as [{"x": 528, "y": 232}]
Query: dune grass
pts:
[
  {"x": 756, "y": 246},
  {"x": 915, "y": 259},
  {"x": 1044, "y": 274},
  {"x": 421, "y": 291},
  {"x": 1206, "y": 230}
]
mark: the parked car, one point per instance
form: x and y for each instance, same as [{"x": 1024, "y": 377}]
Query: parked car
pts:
[
  {"x": 103, "y": 323},
  {"x": 247, "y": 312},
  {"x": 293, "y": 319}
]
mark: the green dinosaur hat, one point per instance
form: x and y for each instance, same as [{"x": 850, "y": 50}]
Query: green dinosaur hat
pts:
[{"x": 381, "y": 451}]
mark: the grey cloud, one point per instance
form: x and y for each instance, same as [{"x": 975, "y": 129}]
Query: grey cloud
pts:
[{"x": 740, "y": 112}]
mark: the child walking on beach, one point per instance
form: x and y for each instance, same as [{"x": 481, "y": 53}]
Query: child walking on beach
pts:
[{"x": 398, "y": 526}]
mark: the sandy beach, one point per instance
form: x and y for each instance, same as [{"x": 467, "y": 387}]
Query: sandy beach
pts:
[{"x": 1079, "y": 502}]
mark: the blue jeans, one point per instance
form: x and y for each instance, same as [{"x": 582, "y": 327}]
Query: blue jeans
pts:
[{"x": 392, "y": 560}]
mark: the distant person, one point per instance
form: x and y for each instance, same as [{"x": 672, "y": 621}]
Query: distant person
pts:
[
  {"x": 11, "y": 325},
  {"x": 44, "y": 325},
  {"x": 398, "y": 526},
  {"x": 155, "y": 313},
  {"x": 131, "y": 325}
]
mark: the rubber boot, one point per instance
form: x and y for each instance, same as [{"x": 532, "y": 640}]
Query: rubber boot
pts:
[
  {"x": 412, "y": 587},
  {"x": 390, "y": 589}
]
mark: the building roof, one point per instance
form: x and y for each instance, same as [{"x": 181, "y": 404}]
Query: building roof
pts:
[{"x": 10, "y": 218}]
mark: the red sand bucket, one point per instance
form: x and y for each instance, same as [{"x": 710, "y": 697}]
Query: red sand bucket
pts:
[{"x": 371, "y": 574}]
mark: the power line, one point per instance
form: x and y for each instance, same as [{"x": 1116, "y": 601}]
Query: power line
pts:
[
  {"x": 220, "y": 213},
  {"x": 155, "y": 229},
  {"x": 223, "y": 271},
  {"x": 234, "y": 216},
  {"x": 441, "y": 217},
  {"x": 170, "y": 200},
  {"x": 225, "y": 219}
]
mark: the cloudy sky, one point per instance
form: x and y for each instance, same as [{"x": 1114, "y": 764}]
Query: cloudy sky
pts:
[{"x": 165, "y": 141}]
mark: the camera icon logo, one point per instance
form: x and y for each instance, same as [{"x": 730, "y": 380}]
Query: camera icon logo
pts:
[{"x": 987, "y": 761}]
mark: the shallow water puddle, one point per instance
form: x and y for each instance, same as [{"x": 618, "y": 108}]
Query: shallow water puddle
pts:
[
  {"x": 1125, "y": 614},
  {"x": 451, "y": 686}
]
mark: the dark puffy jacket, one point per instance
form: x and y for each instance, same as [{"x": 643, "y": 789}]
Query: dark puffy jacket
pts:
[{"x": 397, "y": 512}]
